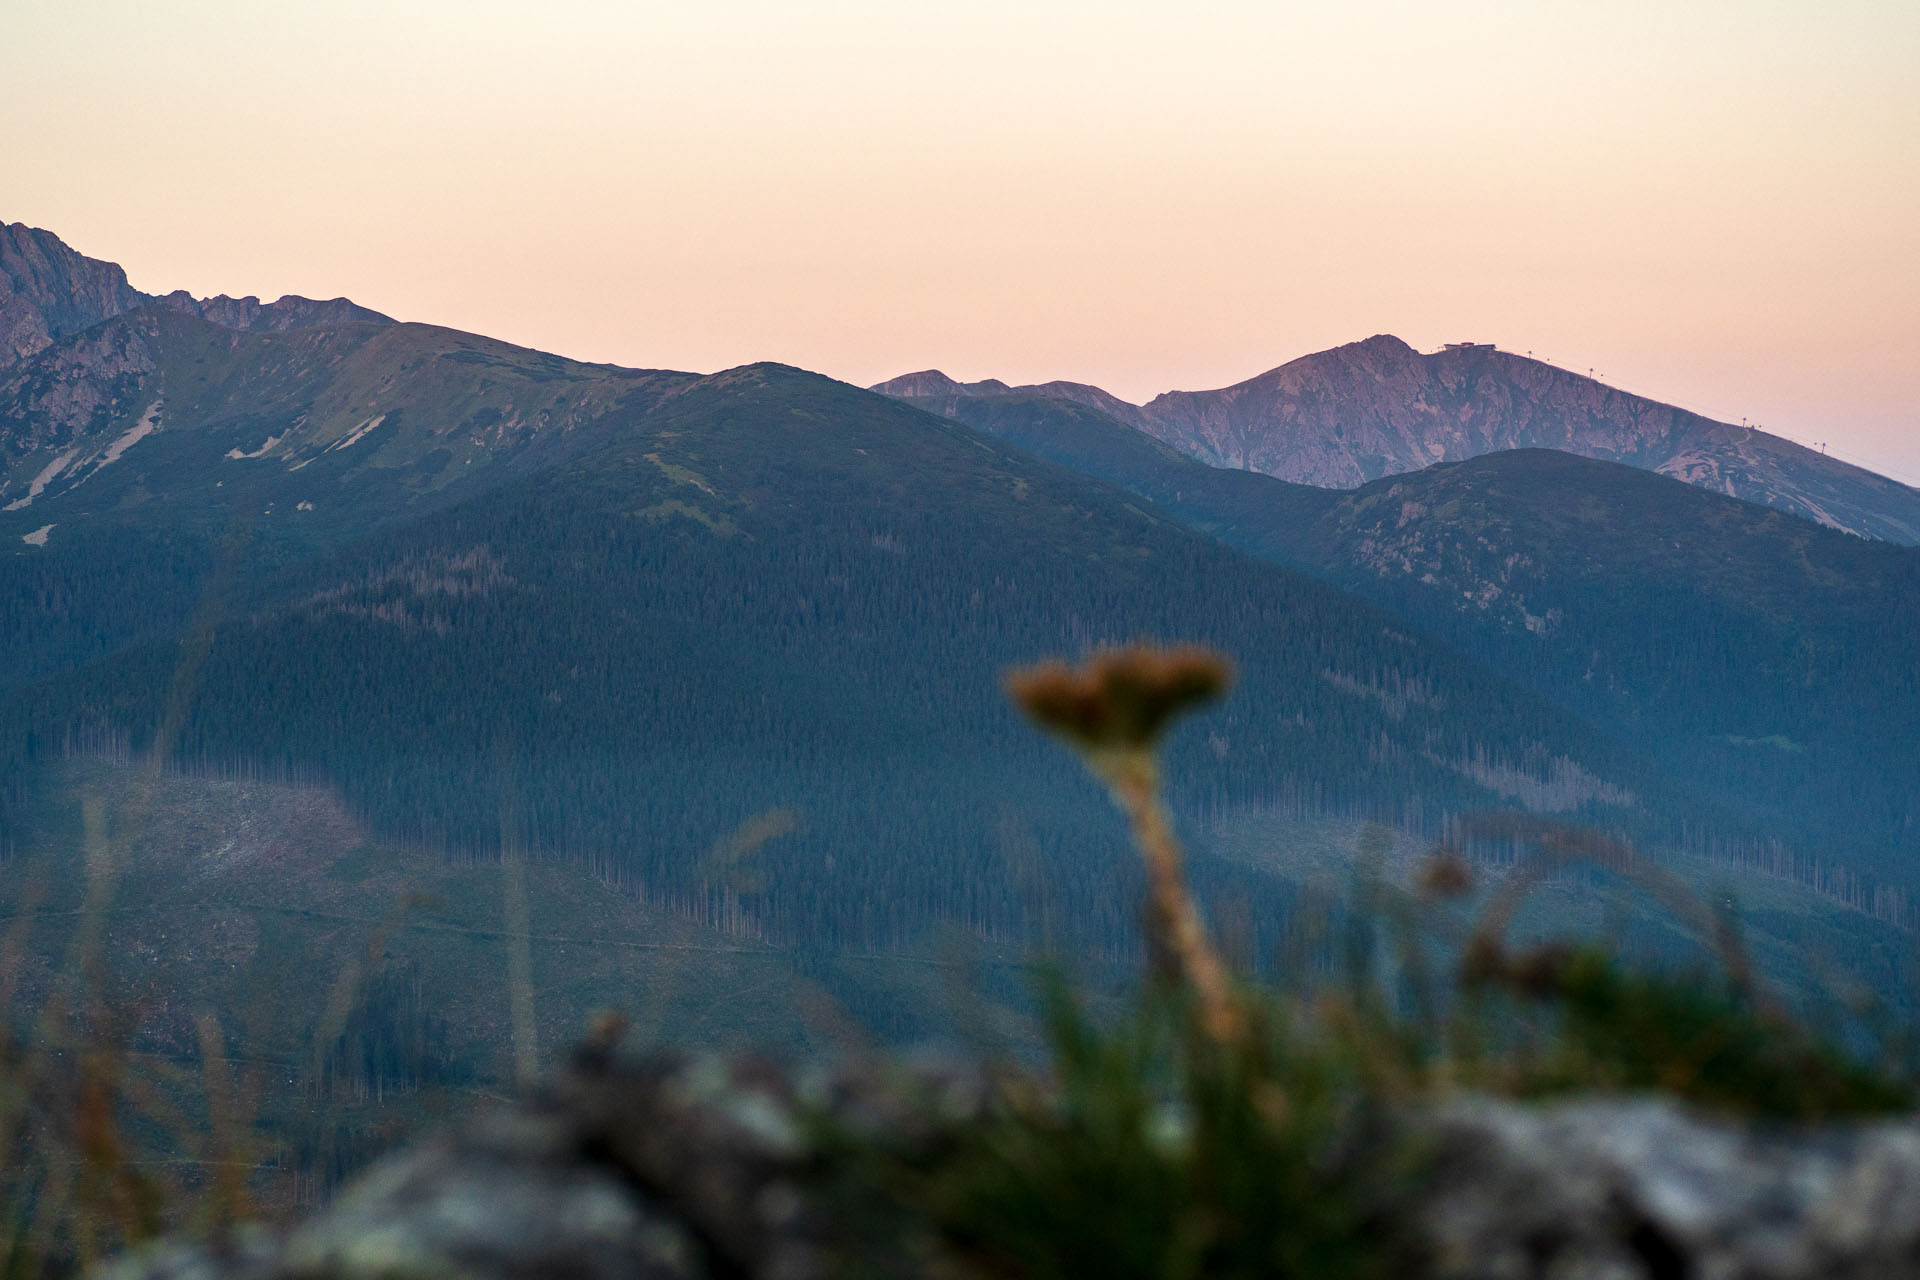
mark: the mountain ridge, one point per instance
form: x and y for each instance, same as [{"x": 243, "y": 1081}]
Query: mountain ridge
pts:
[
  {"x": 1333, "y": 419},
  {"x": 770, "y": 591},
  {"x": 933, "y": 385},
  {"x": 48, "y": 290},
  {"x": 611, "y": 614},
  {"x": 1345, "y": 417},
  {"x": 305, "y": 434},
  {"x": 1745, "y": 648},
  {"x": 282, "y": 399}
]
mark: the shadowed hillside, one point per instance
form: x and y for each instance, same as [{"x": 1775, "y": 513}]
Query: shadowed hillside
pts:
[
  {"x": 1762, "y": 657},
  {"x": 774, "y": 591}
]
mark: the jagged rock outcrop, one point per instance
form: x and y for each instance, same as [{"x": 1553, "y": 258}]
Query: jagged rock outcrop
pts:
[
  {"x": 250, "y": 315},
  {"x": 84, "y": 384},
  {"x": 47, "y": 291},
  {"x": 683, "y": 1168},
  {"x": 1615, "y": 1188},
  {"x": 625, "y": 1167}
]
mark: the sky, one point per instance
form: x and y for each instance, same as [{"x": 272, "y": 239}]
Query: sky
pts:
[{"x": 1713, "y": 203}]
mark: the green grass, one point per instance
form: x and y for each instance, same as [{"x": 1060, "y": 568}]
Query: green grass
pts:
[
  {"x": 1147, "y": 1148},
  {"x": 1143, "y": 1145}
]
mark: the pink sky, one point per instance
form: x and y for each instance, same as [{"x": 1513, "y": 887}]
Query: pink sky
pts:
[{"x": 1714, "y": 203}]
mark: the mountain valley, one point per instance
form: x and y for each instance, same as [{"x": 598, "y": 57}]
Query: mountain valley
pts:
[
  {"x": 502, "y": 603},
  {"x": 1767, "y": 659}
]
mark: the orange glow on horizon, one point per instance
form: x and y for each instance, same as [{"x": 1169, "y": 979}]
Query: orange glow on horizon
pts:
[{"x": 1713, "y": 204}]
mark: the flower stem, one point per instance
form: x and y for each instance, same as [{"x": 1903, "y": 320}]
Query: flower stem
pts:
[{"x": 1177, "y": 943}]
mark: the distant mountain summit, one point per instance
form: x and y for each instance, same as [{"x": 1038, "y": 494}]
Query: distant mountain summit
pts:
[
  {"x": 1342, "y": 418},
  {"x": 48, "y": 291},
  {"x": 250, "y": 315},
  {"x": 612, "y": 614},
  {"x": 931, "y": 385}
]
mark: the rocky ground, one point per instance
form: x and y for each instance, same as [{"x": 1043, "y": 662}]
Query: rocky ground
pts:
[{"x": 656, "y": 1166}]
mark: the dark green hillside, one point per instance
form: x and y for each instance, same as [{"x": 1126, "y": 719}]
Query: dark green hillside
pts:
[
  {"x": 1768, "y": 661},
  {"x": 351, "y": 399},
  {"x": 99, "y": 590},
  {"x": 776, "y": 591},
  {"x": 1242, "y": 508},
  {"x": 1769, "y": 658},
  {"x": 359, "y": 421},
  {"x": 266, "y": 448}
]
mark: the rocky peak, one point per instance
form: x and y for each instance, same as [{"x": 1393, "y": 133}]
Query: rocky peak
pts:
[
  {"x": 1345, "y": 417},
  {"x": 931, "y": 382},
  {"x": 1382, "y": 355},
  {"x": 250, "y": 315},
  {"x": 48, "y": 291},
  {"x": 933, "y": 385},
  {"x": 1357, "y": 413}
]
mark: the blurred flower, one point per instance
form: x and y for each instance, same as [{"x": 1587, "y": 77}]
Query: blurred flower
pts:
[
  {"x": 1113, "y": 711},
  {"x": 1444, "y": 874},
  {"x": 1122, "y": 698}
]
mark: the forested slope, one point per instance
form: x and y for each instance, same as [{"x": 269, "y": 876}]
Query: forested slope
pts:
[
  {"x": 1764, "y": 659},
  {"x": 773, "y": 591},
  {"x": 150, "y": 455}
]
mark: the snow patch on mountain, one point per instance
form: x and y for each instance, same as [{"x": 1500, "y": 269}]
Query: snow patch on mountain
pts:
[
  {"x": 148, "y": 424},
  {"x": 47, "y": 475},
  {"x": 261, "y": 451},
  {"x": 357, "y": 434}
]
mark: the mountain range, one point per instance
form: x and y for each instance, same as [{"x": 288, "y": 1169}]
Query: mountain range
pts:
[
  {"x": 436, "y": 570},
  {"x": 48, "y": 291},
  {"x": 494, "y": 599},
  {"x": 1342, "y": 418},
  {"x": 1765, "y": 657}
]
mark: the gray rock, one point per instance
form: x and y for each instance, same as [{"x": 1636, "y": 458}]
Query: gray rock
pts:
[
  {"x": 706, "y": 1167},
  {"x": 513, "y": 1194},
  {"x": 664, "y": 1168},
  {"x": 1642, "y": 1188},
  {"x": 48, "y": 291}
]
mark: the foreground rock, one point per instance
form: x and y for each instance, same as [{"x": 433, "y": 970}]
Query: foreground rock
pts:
[
  {"x": 625, "y": 1167},
  {"x": 657, "y": 1167},
  {"x": 1640, "y": 1188}
]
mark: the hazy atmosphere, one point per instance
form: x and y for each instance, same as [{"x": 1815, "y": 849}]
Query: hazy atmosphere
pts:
[
  {"x": 759, "y": 640},
  {"x": 1711, "y": 204}
]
